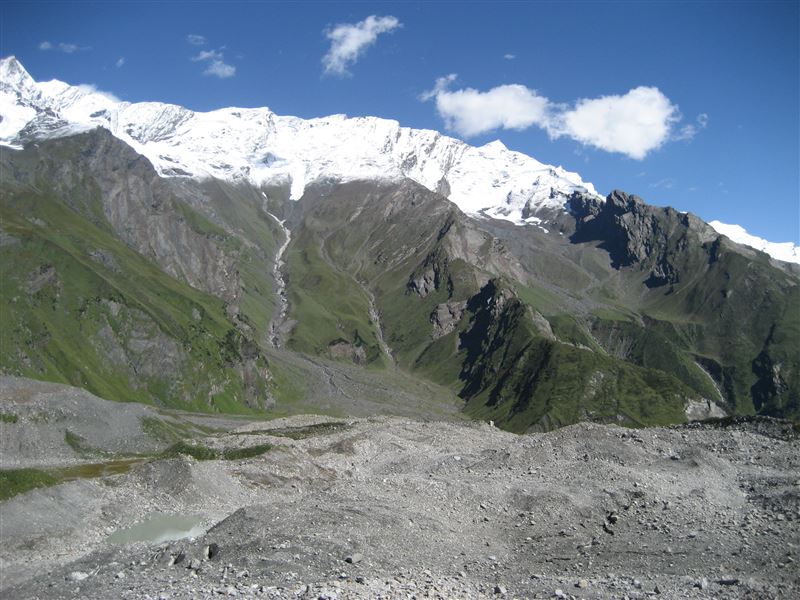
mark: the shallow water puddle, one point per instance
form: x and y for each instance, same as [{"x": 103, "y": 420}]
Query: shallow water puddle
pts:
[{"x": 159, "y": 528}]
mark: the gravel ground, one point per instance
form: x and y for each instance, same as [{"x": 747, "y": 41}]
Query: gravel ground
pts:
[
  {"x": 59, "y": 425},
  {"x": 396, "y": 508}
]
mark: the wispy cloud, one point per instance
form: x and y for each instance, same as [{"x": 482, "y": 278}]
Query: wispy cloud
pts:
[
  {"x": 666, "y": 184},
  {"x": 687, "y": 132},
  {"x": 88, "y": 87},
  {"x": 64, "y": 47},
  {"x": 207, "y": 55},
  {"x": 509, "y": 56},
  {"x": 214, "y": 59},
  {"x": 349, "y": 41},
  {"x": 633, "y": 124},
  {"x": 120, "y": 62},
  {"x": 196, "y": 40}
]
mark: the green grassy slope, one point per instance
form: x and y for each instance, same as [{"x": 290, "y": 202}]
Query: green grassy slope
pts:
[{"x": 80, "y": 307}]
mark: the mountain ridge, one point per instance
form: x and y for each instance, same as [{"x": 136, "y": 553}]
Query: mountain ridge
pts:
[{"x": 487, "y": 181}]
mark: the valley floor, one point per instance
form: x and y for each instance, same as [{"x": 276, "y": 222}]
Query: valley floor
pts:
[{"x": 390, "y": 507}]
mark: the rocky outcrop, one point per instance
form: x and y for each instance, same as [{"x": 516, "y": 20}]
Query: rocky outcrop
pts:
[
  {"x": 344, "y": 350},
  {"x": 431, "y": 275},
  {"x": 446, "y": 318},
  {"x": 634, "y": 233}
]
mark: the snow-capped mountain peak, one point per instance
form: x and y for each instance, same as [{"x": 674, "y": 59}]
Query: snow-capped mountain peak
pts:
[
  {"x": 13, "y": 75},
  {"x": 256, "y": 145},
  {"x": 260, "y": 147}
]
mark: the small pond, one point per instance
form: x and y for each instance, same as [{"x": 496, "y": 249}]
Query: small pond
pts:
[{"x": 158, "y": 527}]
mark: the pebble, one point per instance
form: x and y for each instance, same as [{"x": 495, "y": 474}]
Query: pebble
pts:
[
  {"x": 500, "y": 589},
  {"x": 354, "y": 558},
  {"x": 583, "y": 584}
]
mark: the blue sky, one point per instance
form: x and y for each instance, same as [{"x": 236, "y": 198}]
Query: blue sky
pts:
[{"x": 691, "y": 104}]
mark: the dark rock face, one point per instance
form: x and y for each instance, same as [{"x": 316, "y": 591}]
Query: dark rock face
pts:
[{"x": 635, "y": 233}]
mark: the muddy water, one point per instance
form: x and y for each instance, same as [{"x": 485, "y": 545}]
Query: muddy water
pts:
[{"x": 159, "y": 528}]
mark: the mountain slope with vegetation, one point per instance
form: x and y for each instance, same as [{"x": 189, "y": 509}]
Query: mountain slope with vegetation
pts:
[
  {"x": 111, "y": 282},
  {"x": 137, "y": 287}
]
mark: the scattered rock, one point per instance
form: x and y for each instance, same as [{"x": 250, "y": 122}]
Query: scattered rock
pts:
[
  {"x": 354, "y": 558},
  {"x": 210, "y": 551}
]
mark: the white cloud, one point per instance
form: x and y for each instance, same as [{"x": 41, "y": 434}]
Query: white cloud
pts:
[
  {"x": 68, "y": 48},
  {"x": 45, "y": 45},
  {"x": 349, "y": 41},
  {"x": 470, "y": 112},
  {"x": 196, "y": 40},
  {"x": 217, "y": 68},
  {"x": 633, "y": 124},
  {"x": 509, "y": 56},
  {"x": 120, "y": 61}
]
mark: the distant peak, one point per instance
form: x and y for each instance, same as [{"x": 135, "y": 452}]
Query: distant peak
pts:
[
  {"x": 13, "y": 73},
  {"x": 495, "y": 145},
  {"x": 785, "y": 251}
]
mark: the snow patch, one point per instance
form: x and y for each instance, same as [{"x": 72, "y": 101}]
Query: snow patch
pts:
[{"x": 785, "y": 251}]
